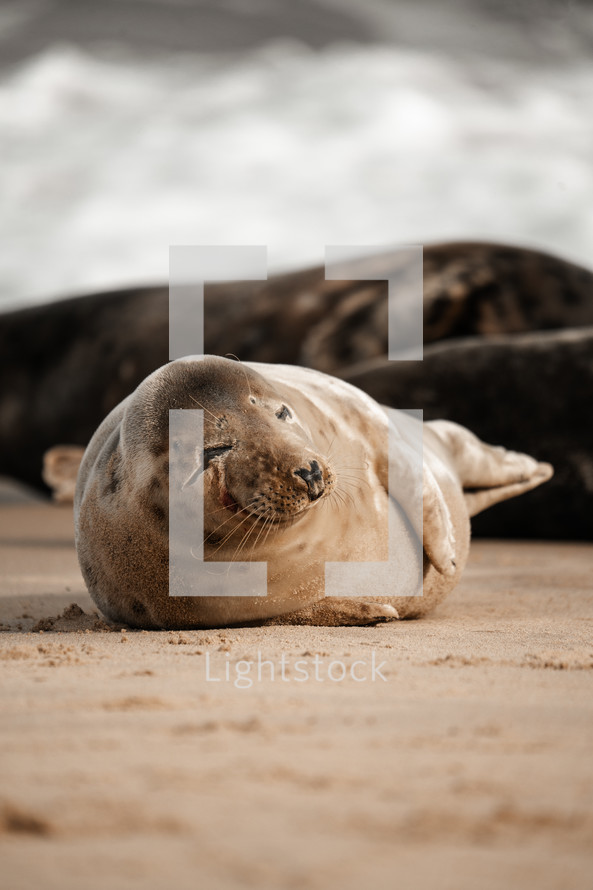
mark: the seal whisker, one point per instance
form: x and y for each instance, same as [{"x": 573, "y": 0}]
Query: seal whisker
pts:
[
  {"x": 333, "y": 499},
  {"x": 327, "y": 501},
  {"x": 236, "y": 357},
  {"x": 351, "y": 470},
  {"x": 203, "y": 407},
  {"x": 213, "y": 512},
  {"x": 345, "y": 480},
  {"x": 218, "y": 527},
  {"x": 245, "y": 538},
  {"x": 355, "y": 485},
  {"x": 350, "y": 480},
  {"x": 220, "y": 509},
  {"x": 239, "y": 547},
  {"x": 348, "y": 496},
  {"x": 267, "y": 524},
  {"x": 347, "y": 488},
  {"x": 338, "y": 495},
  {"x": 271, "y": 528},
  {"x": 230, "y": 534},
  {"x": 341, "y": 496},
  {"x": 329, "y": 449},
  {"x": 242, "y": 543},
  {"x": 260, "y": 531}
]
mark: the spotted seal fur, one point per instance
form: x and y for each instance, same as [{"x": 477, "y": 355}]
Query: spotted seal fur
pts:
[{"x": 295, "y": 472}]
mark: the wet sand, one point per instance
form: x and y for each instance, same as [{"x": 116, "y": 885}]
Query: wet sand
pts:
[{"x": 128, "y": 760}]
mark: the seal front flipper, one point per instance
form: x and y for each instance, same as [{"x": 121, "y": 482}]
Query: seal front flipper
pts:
[
  {"x": 340, "y": 612},
  {"x": 414, "y": 486},
  {"x": 438, "y": 535}
]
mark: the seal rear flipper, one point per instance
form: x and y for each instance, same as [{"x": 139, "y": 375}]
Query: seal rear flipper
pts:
[
  {"x": 488, "y": 473},
  {"x": 60, "y": 469},
  {"x": 480, "y": 499}
]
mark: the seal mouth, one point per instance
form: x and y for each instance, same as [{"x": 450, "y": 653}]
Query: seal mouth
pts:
[{"x": 229, "y": 503}]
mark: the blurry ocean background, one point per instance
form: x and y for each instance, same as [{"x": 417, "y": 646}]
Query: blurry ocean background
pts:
[{"x": 130, "y": 125}]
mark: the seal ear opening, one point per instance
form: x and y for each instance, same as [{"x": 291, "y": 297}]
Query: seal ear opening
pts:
[{"x": 60, "y": 469}]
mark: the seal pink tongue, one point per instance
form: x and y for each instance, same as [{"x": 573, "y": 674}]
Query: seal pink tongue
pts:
[{"x": 228, "y": 502}]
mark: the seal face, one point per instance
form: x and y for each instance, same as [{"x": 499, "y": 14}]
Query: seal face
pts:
[
  {"x": 294, "y": 472},
  {"x": 260, "y": 463}
]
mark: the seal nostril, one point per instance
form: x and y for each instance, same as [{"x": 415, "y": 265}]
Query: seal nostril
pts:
[
  {"x": 315, "y": 470},
  {"x": 313, "y": 478}
]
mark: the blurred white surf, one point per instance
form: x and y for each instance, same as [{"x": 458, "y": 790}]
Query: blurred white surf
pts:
[{"x": 108, "y": 159}]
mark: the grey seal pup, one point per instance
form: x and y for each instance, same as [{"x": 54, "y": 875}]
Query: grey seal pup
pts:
[{"x": 295, "y": 473}]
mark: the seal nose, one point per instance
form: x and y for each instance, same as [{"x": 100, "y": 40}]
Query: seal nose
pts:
[{"x": 313, "y": 478}]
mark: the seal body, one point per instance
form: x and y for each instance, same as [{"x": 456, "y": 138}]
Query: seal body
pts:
[{"x": 294, "y": 472}]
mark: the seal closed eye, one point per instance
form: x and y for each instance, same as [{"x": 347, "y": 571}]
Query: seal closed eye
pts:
[
  {"x": 215, "y": 451},
  {"x": 209, "y": 454}
]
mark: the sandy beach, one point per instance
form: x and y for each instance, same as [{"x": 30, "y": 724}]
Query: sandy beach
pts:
[{"x": 457, "y": 756}]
